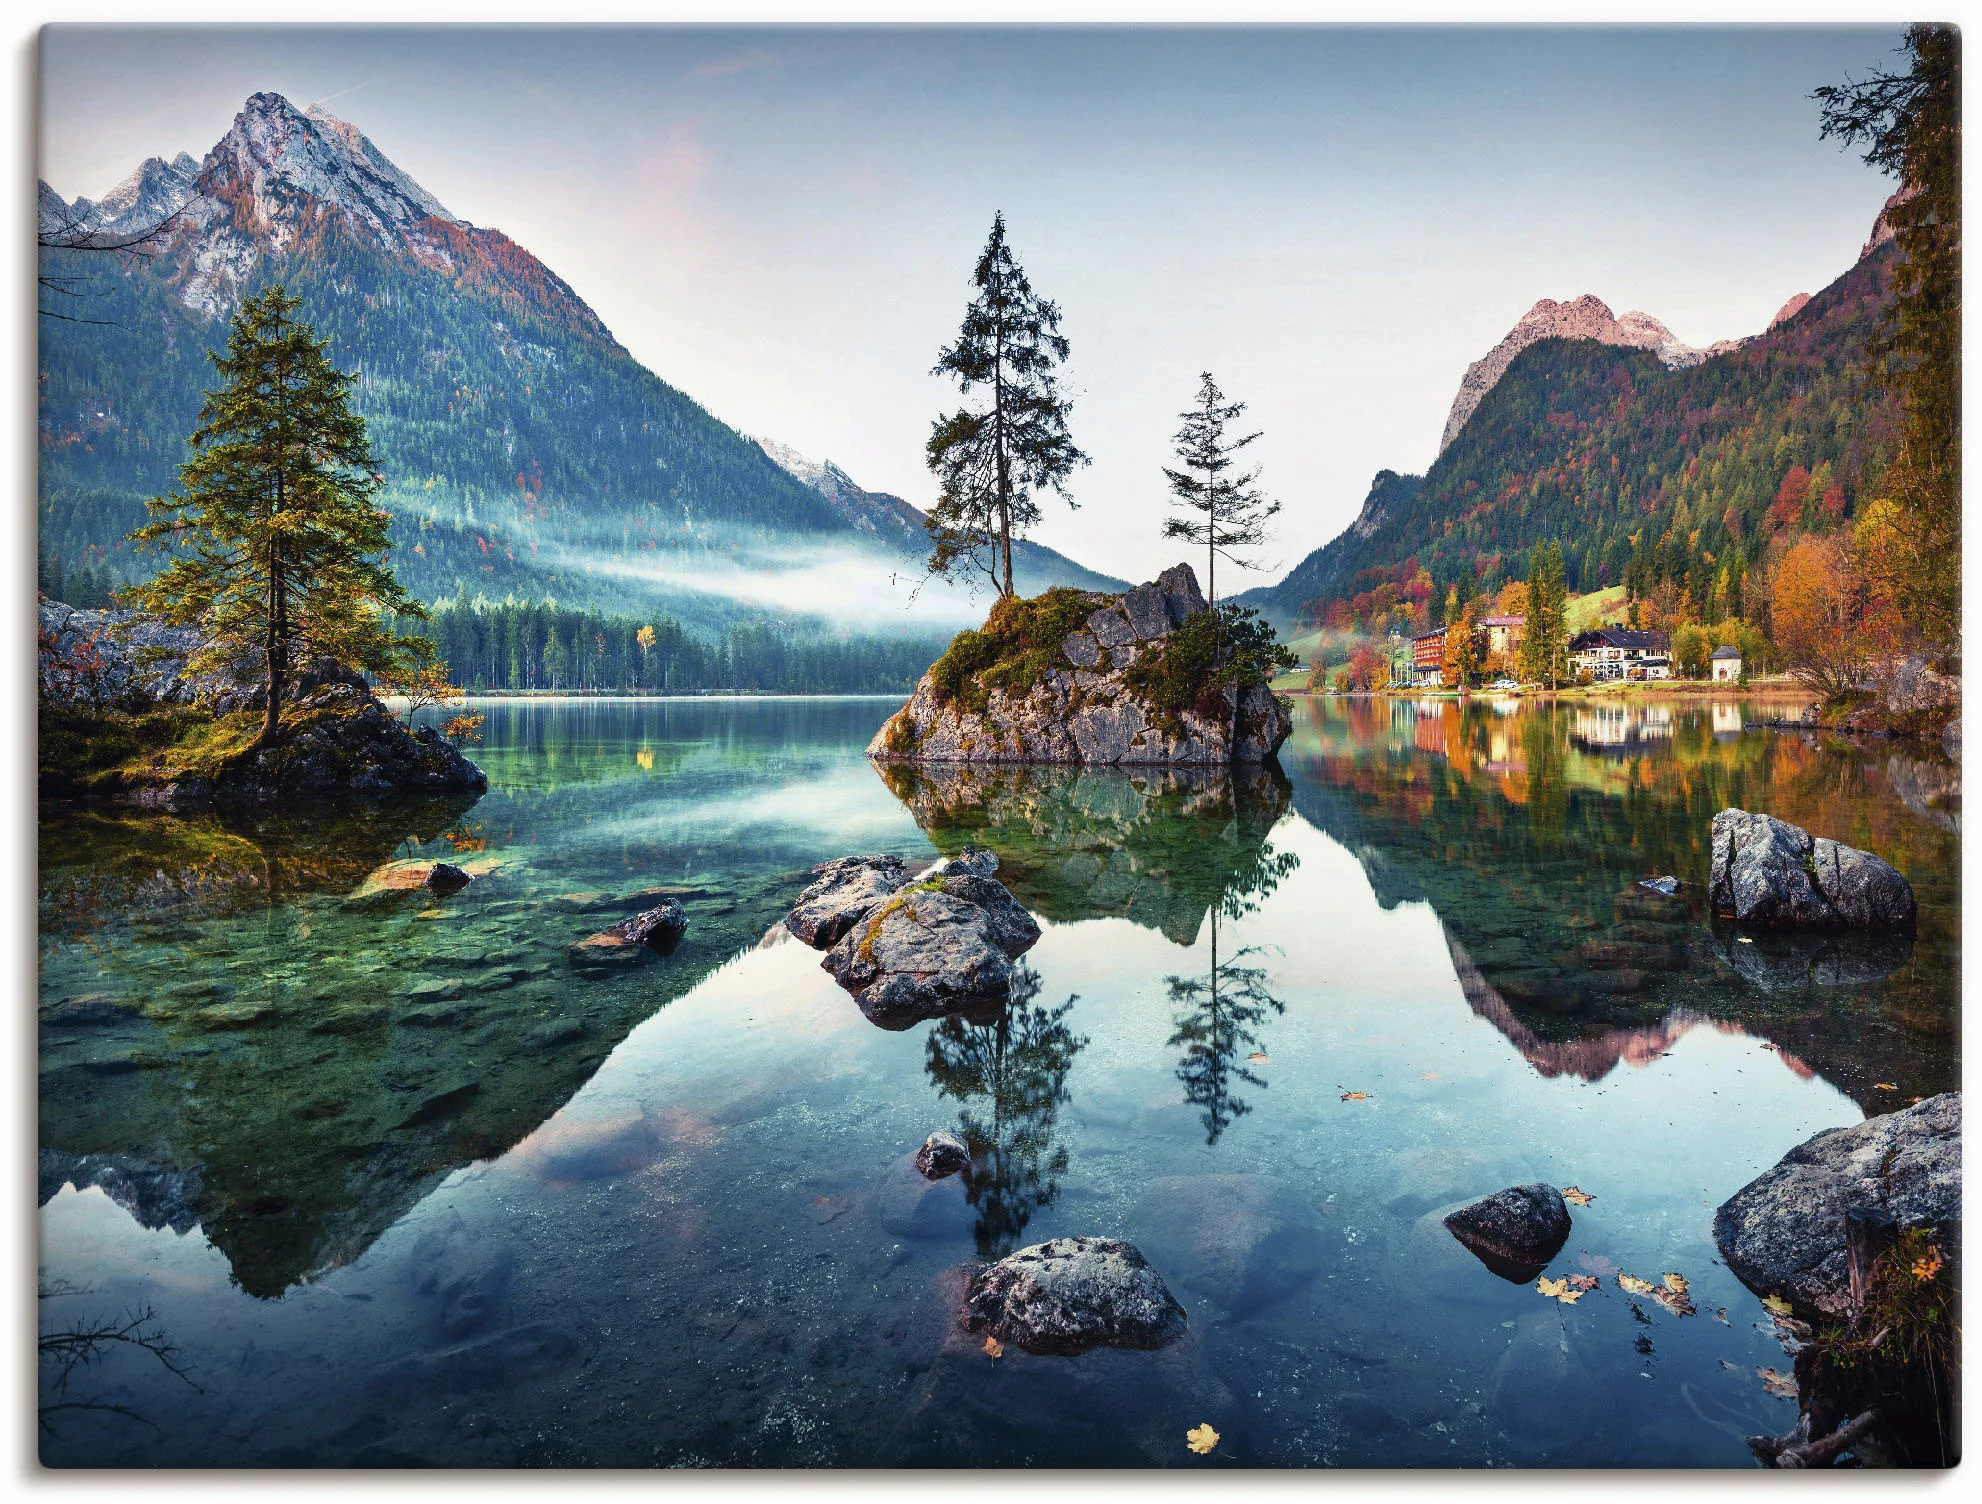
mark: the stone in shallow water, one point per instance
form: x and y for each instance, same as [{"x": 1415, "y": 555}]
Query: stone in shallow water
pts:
[
  {"x": 928, "y": 952},
  {"x": 1514, "y": 1232},
  {"x": 444, "y": 877},
  {"x": 1783, "y": 1232},
  {"x": 654, "y": 932},
  {"x": 1068, "y": 1295},
  {"x": 843, "y": 892},
  {"x": 942, "y": 1154},
  {"x": 1768, "y": 873}
]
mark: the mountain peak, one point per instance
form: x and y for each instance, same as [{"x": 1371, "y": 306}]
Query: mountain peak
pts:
[{"x": 274, "y": 150}]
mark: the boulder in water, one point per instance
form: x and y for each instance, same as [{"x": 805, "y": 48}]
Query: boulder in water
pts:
[
  {"x": 1514, "y": 1232},
  {"x": 942, "y": 1155},
  {"x": 1770, "y": 874},
  {"x": 1069, "y": 1295},
  {"x": 843, "y": 892},
  {"x": 444, "y": 877},
  {"x": 934, "y": 948}
]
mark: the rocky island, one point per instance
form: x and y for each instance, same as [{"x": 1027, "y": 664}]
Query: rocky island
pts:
[
  {"x": 122, "y": 717},
  {"x": 1150, "y": 676}
]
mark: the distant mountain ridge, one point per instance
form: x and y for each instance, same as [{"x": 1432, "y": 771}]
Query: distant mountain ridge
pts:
[{"x": 527, "y": 454}]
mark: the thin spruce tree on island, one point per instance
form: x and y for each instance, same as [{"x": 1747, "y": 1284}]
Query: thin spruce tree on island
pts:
[
  {"x": 1230, "y": 511},
  {"x": 992, "y": 461},
  {"x": 277, "y": 542}
]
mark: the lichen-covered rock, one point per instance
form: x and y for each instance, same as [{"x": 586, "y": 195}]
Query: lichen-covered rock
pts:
[
  {"x": 1076, "y": 703},
  {"x": 932, "y": 949},
  {"x": 1768, "y": 873},
  {"x": 942, "y": 1154},
  {"x": 1514, "y": 1232},
  {"x": 1070, "y": 1295},
  {"x": 1784, "y": 1232},
  {"x": 843, "y": 892}
]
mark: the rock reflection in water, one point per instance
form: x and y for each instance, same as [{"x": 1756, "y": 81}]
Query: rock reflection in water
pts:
[
  {"x": 1155, "y": 846},
  {"x": 1008, "y": 1067}
]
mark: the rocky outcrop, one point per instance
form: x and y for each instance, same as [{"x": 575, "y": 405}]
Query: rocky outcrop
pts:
[
  {"x": 1784, "y": 1232},
  {"x": 1070, "y": 1295},
  {"x": 341, "y": 739},
  {"x": 1514, "y": 1232},
  {"x": 654, "y": 931},
  {"x": 1076, "y": 699},
  {"x": 1769, "y": 874},
  {"x": 937, "y": 947}
]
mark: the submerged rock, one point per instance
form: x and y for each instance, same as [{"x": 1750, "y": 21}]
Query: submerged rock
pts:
[
  {"x": 1667, "y": 886},
  {"x": 932, "y": 949},
  {"x": 1068, "y": 1295},
  {"x": 1784, "y": 1232},
  {"x": 654, "y": 932},
  {"x": 843, "y": 892},
  {"x": 444, "y": 877},
  {"x": 1514, "y": 1232},
  {"x": 1768, "y": 873},
  {"x": 942, "y": 1155},
  {"x": 1051, "y": 682}
]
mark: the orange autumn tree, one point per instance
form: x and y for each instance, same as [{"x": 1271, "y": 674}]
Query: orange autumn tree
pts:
[{"x": 1831, "y": 630}]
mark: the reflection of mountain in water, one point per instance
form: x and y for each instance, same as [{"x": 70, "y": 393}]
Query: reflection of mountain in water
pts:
[
  {"x": 1156, "y": 846},
  {"x": 230, "y": 1037},
  {"x": 1529, "y": 835}
]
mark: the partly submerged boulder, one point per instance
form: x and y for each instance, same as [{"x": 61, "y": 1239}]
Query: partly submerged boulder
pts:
[
  {"x": 1784, "y": 1232},
  {"x": 1075, "y": 676},
  {"x": 942, "y": 1154},
  {"x": 934, "y": 948},
  {"x": 843, "y": 892},
  {"x": 1069, "y": 1295},
  {"x": 654, "y": 931},
  {"x": 1514, "y": 1232},
  {"x": 1768, "y": 874}
]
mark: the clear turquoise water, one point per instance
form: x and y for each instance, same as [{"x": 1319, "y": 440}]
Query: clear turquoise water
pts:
[{"x": 400, "y": 1187}]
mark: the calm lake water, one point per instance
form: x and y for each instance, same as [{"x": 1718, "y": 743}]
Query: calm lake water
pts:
[{"x": 399, "y": 1187}]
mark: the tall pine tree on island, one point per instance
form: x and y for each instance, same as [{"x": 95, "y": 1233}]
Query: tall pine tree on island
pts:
[
  {"x": 1231, "y": 512},
  {"x": 991, "y": 461},
  {"x": 277, "y": 543}
]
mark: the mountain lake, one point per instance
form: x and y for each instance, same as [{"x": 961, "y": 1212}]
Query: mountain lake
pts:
[{"x": 369, "y": 1177}]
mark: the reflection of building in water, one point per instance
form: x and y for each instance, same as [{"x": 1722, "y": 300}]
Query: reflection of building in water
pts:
[
  {"x": 1617, "y": 727},
  {"x": 1726, "y": 719}
]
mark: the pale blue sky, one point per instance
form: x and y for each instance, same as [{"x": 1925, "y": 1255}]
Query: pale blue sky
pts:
[{"x": 1335, "y": 221}]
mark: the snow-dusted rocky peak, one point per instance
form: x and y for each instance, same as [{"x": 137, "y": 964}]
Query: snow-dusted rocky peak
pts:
[
  {"x": 144, "y": 200},
  {"x": 1587, "y": 317},
  {"x": 875, "y": 513}
]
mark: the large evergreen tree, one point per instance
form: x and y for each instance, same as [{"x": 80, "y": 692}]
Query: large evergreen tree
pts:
[
  {"x": 277, "y": 542},
  {"x": 991, "y": 461},
  {"x": 1910, "y": 125},
  {"x": 1545, "y": 636},
  {"x": 1231, "y": 513}
]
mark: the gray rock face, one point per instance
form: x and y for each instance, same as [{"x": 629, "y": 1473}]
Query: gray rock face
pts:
[
  {"x": 942, "y": 1155},
  {"x": 932, "y": 949},
  {"x": 1783, "y": 1232},
  {"x": 1084, "y": 710},
  {"x": 1514, "y": 1232},
  {"x": 844, "y": 891},
  {"x": 1768, "y": 874},
  {"x": 1070, "y": 1295},
  {"x": 974, "y": 861}
]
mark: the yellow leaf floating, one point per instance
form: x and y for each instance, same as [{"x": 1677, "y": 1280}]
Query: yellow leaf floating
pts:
[
  {"x": 1576, "y": 1197},
  {"x": 1633, "y": 1284},
  {"x": 1201, "y": 1439},
  {"x": 1558, "y": 1289},
  {"x": 1884, "y": 1086},
  {"x": 1259, "y": 1058},
  {"x": 1355, "y": 1096},
  {"x": 1775, "y": 1305},
  {"x": 993, "y": 1348},
  {"x": 1676, "y": 1283},
  {"x": 1780, "y": 1384}
]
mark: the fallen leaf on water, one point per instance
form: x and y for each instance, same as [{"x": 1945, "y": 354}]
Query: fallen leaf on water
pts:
[
  {"x": 1257, "y": 1058},
  {"x": 1576, "y": 1197},
  {"x": 1674, "y": 1302},
  {"x": 1583, "y": 1281},
  {"x": 1781, "y": 1385},
  {"x": 1775, "y": 1305},
  {"x": 1430, "y": 1075},
  {"x": 1676, "y": 1283},
  {"x": 1355, "y": 1096},
  {"x": 1596, "y": 1263},
  {"x": 1634, "y": 1284},
  {"x": 1884, "y": 1086},
  {"x": 1201, "y": 1439},
  {"x": 1721, "y": 1317},
  {"x": 993, "y": 1348},
  {"x": 1558, "y": 1289}
]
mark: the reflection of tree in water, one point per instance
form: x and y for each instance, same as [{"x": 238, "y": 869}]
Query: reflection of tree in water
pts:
[
  {"x": 1016, "y": 1060},
  {"x": 64, "y": 1352},
  {"x": 1220, "y": 1013}
]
